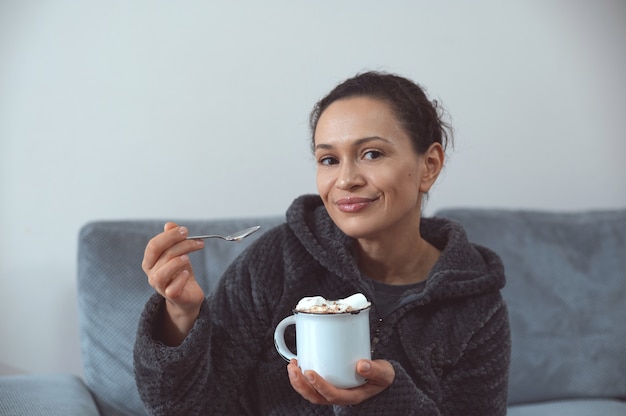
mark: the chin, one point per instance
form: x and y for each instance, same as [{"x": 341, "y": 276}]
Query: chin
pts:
[{"x": 355, "y": 227}]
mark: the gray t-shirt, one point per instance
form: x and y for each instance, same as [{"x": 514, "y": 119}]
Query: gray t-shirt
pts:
[{"x": 389, "y": 297}]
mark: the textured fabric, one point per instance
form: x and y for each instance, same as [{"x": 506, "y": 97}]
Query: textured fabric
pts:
[
  {"x": 45, "y": 395},
  {"x": 598, "y": 407},
  {"x": 112, "y": 290},
  {"x": 566, "y": 293},
  {"x": 449, "y": 343}
]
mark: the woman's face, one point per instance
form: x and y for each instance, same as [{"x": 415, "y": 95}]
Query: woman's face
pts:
[{"x": 369, "y": 176}]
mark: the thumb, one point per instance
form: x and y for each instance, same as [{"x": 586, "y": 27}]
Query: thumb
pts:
[
  {"x": 377, "y": 371},
  {"x": 364, "y": 367}
]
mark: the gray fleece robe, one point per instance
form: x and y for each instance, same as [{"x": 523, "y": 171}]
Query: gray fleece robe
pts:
[{"x": 449, "y": 342}]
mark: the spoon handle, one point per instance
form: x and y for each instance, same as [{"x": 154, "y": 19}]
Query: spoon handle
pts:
[{"x": 202, "y": 237}]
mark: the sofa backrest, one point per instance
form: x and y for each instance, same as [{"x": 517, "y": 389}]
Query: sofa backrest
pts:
[
  {"x": 112, "y": 291},
  {"x": 566, "y": 295}
]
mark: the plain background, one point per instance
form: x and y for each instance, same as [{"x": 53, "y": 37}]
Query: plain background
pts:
[{"x": 199, "y": 109}]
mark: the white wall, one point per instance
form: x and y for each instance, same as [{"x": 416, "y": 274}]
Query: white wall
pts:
[{"x": 137, "y": 109}]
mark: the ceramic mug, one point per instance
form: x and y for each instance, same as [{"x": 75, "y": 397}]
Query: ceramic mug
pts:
[{"x": 330, "y": 344}]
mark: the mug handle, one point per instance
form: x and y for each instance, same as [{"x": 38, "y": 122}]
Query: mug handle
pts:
[{"x": 279, "y": 338}]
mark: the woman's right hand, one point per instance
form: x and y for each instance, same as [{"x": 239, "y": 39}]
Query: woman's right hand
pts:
[{"x": 166, "y": 263}]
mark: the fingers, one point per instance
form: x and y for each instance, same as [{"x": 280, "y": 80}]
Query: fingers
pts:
[
  {"x": 169, "y": 280},
  {"x": 311, "y": 386},
  {"x": 171, "y": 242},
  {"x": 166, "y": 261},
  {"x": 302, "y": 385},
  {"x": 175, "y": 288},
  {"x": 169, "y": 225}
]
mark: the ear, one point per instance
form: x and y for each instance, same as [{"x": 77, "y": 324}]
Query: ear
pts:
[{"x": 433, "y": 164}]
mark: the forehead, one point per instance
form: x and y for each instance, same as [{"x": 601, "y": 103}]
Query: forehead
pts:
[{"x": 358, "y": 117}]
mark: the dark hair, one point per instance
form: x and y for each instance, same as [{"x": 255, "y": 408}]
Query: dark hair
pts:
[{"x": 421, "y": 118}]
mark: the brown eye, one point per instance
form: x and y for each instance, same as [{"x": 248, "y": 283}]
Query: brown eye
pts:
[
  {"x": 372, "y": 154},
  {"x": 327, "y": 161}
]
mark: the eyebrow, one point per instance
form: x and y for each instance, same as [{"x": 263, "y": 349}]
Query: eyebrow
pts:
[{"x": 357, "y": 143}]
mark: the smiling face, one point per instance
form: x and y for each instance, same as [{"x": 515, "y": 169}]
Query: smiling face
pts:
[{"x": 369, "y": 175}]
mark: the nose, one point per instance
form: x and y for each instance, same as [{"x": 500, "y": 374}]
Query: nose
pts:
[{"x": 349, "y": 177}]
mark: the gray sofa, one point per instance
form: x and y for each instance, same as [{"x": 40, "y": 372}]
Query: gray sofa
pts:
[{"x": 566, "y": 292}]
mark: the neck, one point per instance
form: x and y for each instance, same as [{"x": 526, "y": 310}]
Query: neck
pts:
[{"x": 397, "y": 260}]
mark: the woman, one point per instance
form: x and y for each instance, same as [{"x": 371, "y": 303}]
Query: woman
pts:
[{"x": 440, "y": 333}]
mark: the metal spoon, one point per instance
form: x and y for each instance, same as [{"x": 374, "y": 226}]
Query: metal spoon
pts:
[{"x": 238, "y": 236}]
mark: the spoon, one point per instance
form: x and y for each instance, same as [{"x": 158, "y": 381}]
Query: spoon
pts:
[{"x": 238, "y": 236}]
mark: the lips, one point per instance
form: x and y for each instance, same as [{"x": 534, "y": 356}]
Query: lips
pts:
[{"x": 353, "y": 204}]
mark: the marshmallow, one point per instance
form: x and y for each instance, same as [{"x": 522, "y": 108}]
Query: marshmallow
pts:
[{"x": 318, "y": 304}]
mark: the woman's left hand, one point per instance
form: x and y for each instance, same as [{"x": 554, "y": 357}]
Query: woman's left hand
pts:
[{"x": 379, "y": 375}]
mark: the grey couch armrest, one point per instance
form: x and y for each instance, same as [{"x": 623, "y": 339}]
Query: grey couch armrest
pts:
[{"x": 45, "y": 395}]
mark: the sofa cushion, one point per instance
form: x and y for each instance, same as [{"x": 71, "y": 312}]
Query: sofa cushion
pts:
[
  {"x": 112, "y": 291},
  {"x": 45, "y": 395},
  {"x": 566, "y": 291},
  {"x": 581, "y": 407}
]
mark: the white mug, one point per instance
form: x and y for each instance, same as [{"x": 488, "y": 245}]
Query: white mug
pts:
[{"x": 331, "y": 344}]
